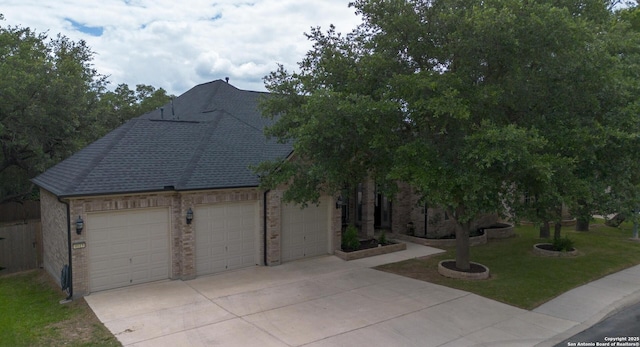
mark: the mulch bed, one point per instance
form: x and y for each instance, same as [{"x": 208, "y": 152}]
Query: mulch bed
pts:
[
  {"x": 474, "y": 268},
  {"x": 365, "y": 244},
  {"x": 549, "y": 247}
]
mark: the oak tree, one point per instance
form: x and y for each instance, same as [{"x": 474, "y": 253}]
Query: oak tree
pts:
[{"x": 475, "y": 104}]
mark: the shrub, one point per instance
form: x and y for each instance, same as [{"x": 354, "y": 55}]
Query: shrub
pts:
[
  {"x": 382, "y": 239},
  {"x": 562, "y": 244},
  {"x": 350, "y": 238}
]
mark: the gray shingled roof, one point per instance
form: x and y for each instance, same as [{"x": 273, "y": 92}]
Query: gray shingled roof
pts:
[{"x": 207, "y": 141}]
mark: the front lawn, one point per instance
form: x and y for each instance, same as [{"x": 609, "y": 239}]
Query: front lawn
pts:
[
  {"x": 522, "y": 279},
  {"x": 31, "y": 315}
]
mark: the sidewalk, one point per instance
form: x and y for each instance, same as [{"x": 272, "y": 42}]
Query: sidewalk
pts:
[{"x": 592, "y": 302}]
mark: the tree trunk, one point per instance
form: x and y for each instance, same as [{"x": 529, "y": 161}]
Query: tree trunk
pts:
[
  {"x": 545, "y": 231},
  {"x": 462, "y": 246},
  {"x": 582, "y": 224},
  {"x": 557, "y": 228},
  {"x": 583, "y": 216}
]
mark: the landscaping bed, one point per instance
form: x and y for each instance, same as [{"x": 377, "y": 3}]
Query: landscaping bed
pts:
[
  {"x": 547, "y": 250},
  {"x": 523, "y": 279},
  {"x": 499, "y": 231},
  {"x": 476, "y": 271},
  {"x": 370, "y": 248}
]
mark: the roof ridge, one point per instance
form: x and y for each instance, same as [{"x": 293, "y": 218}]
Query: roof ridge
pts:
[
  {"x": 195, "y": 159},
  {"x": 102, "y": 154}
]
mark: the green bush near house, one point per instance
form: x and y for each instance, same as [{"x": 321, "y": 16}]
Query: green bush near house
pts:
[
  {"x": 562, "y": 244},
  {"x": 382, "y": 239},
  {"x": 350, "y": 239}
]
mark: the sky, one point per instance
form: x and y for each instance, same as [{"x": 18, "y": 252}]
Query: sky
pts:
[{"x": 176, "y": 45}]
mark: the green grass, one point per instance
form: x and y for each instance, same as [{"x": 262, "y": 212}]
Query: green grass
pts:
[
  {"x": 31, "y": 315},
  {"x": 523, "y": 279}
]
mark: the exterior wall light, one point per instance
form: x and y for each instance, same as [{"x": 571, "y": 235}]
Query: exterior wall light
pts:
[
  {"x": 79, "y": 225},
  {"x": 189, "y": 215},
  {"x": 339, "y": 202}
]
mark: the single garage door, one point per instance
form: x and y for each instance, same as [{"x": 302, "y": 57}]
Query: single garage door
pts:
[
  {"x": 127, "y": 247},
  {"x": 225, "y": 237},
  {"x": 305, "y": 232}
]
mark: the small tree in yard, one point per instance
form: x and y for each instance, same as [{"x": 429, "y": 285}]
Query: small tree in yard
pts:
[{"x": 470, "y": 102}]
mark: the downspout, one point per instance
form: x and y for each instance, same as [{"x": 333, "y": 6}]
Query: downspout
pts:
[
  {"x": 264, "y": 224},
  {"x": 69, "y": 248},
  {"x": 426, "y": 219}
]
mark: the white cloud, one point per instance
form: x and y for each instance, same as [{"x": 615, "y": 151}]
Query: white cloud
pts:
[{"x": 176, "y": 45}]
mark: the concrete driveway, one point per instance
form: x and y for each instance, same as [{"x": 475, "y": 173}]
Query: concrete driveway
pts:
[{"x": 318, "y": 302}]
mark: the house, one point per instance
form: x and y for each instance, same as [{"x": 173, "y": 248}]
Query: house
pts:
[
  {"x": 134, "y": 188},
  {"x": 169, "y": 195}
]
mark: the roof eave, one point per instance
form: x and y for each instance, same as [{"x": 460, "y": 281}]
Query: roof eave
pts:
[{"x": 146, "y": 191}]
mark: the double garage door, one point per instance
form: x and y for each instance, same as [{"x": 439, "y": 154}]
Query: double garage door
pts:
[{"x": 127, "y": 247}]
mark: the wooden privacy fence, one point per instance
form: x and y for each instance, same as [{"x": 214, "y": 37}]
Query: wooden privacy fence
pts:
[
  {"x": 14, "y": 211},
  {"x": 20, "y": 246}
]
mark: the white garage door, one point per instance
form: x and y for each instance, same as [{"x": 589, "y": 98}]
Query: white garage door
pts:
[
  {"x": 127, "y": 247},
  {"x": 225, "y": 237},
  {"x": 305, "y": 232}
]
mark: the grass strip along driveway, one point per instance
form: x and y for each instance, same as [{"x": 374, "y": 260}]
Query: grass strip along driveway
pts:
[
  {"x": 523, "y": 279},
  {"x": 31, "y": 315}
]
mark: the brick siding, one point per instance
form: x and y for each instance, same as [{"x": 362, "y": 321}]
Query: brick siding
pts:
[{"x": 54, "y": 234}]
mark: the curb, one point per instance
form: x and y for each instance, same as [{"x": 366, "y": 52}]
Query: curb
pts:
[{"x": 606, "y": 312}]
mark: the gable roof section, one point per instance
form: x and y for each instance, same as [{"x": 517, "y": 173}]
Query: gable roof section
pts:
[{"x": 207, "y": 139}]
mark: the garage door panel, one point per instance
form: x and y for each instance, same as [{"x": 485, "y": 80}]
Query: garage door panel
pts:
[
  {"x": 293, "y": 253},
  {"x": 140, "y": 246},
  {"x": 100, "y": 250},
  {"x": 235, "y": 236},
  {"x": 157, "y": 272},
  {"x": 159, "y": 245},
  {"x": 127, "y": 247},
  {"x": 157, "y": 257},
  {"x": 225, "y": 237},
  {"x": 140, "y": 274},
  {"x": 140, "y": 260},
  {"x": 305, "y": 232},
  {"x": 235, "y": 262}
]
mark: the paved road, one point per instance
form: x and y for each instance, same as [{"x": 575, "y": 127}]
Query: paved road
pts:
[{"x": 624, "y": 324}]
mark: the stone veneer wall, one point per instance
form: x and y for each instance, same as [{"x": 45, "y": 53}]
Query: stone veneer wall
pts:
[
  {"x": 406, "y": 208},
  {"x": 54, "y": 234}
]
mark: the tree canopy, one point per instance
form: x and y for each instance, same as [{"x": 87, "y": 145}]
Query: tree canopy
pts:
[
  {"x": 52, "y": 103},
  {"x": 475, "y": 104}
]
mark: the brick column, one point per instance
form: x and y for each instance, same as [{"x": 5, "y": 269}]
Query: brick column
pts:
[
  {"x": 274, "y": 227},
  {"x": 187, "y": 253},
  {"x": 401, "y": 210},
  {"x": 79, "y": 256}
]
